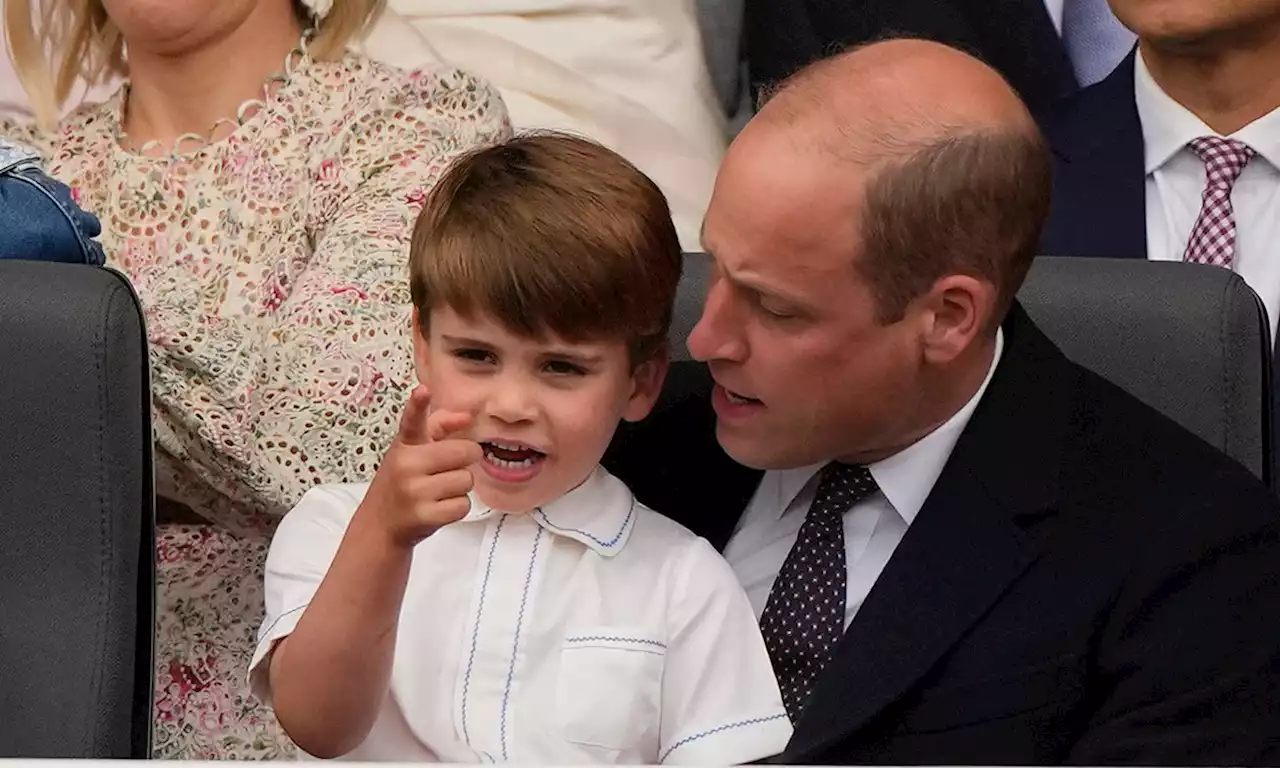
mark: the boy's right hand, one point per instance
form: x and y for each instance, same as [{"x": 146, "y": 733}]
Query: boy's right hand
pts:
[{"x": 423, "y": 482}]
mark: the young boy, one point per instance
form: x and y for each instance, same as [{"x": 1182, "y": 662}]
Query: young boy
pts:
[{"x": 494, "y": 594}]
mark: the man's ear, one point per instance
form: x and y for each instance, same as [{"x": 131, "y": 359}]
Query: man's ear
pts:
[
  {"x": 957, "y": 312},
  {"x": 646, "y": 385},
  {"x": 420, "y": 348}
]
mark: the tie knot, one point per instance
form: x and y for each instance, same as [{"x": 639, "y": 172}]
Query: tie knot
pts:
[
  {"x": 842, "y": 486},
  {"x": 1223, "y": 158}
]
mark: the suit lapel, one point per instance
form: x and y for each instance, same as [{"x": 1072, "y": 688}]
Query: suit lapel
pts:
[
  {"x": 963, "y": 551},
  {"x": 1099, "y": 186}
]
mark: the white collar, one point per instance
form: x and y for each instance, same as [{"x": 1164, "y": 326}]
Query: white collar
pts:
[
  {"x": 1167, "y": 126},
  {"x": 906, "y": 478},
  {"x": 600, "y": 513}
]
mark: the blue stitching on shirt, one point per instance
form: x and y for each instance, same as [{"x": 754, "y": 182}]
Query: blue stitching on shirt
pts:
[
  {"x": 264, "y": 633},
  {"x": 607, "y": 544},
  {"x": 604, "y": 638},
  {"x": 515, "y": 645},
  {"x": 713, "y": 731},
  {"x": 475, "y": 631}
]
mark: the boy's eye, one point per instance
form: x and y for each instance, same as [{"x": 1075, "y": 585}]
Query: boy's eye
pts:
[
  {"x": 563, "y": 368},
  {"x": 473, "y": 355}
]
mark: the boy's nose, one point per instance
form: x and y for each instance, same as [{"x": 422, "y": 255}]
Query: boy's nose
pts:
[{"x": 512, "y": 402}]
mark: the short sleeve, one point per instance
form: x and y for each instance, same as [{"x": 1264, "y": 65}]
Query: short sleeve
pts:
[
  {"x": 301, "y": 551},
  {"x": 720, "y": 700}
]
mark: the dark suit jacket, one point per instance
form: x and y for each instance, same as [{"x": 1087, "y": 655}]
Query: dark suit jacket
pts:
[
  {"x": 1086, "y": 583},
  {"x": 1017, "y": 37},
  {"x": 1099, "y": 172}
]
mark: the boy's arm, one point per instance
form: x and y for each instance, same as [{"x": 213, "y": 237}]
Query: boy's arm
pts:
[
  {"x": 720, "y": 699},
  {"x": 329, "y": 678}
]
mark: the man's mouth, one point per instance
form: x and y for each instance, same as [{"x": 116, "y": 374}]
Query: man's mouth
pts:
[
  {"x": 737, "y": 399},
  {"x": 508, "y": 454}
]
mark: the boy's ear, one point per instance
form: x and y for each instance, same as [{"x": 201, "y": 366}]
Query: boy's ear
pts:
[
  {"x": 646, "y": 385},
  {"x": 420, "y": 348}
]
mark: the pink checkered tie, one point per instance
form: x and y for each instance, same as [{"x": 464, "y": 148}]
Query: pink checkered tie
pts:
[{"x": 1213, "y": 239}]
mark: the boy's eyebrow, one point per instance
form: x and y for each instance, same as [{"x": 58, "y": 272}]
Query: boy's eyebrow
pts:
[
  {"x": 463, "y": 341},
  {"x": 586, "y": 358},
  {"x": 568, "y": 353}
]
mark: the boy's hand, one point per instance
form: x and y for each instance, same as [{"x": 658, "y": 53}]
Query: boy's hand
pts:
[{"x": 423, "y": 482}]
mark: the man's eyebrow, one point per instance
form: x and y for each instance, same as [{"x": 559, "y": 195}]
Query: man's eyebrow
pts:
[{"x": 761, "y": 288}]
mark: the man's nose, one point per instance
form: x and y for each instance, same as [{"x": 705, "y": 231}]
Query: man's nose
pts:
[{"x": 718, "y": 334}]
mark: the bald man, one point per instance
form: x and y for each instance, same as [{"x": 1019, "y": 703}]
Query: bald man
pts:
[{"x": 963, "y": 548}]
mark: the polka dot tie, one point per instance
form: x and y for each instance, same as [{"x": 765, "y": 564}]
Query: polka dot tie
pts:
[{"x": 804, "y": 616}]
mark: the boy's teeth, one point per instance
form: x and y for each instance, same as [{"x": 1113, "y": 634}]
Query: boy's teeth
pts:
[{"x": 503, "y": 463}]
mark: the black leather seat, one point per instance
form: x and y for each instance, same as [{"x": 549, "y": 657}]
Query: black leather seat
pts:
[{"x": 77, "y": 554}]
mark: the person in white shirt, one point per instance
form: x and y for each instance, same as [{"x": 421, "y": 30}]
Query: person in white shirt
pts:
[
  {"x": 493, "y": 594},
  {"x": 1176, "y": 155}
]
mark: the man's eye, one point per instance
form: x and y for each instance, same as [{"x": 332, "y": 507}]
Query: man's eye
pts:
[{"x": 777, "y": 313}]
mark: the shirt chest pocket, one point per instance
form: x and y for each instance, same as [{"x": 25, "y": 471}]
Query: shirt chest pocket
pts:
[{"x": 609, "y": 691}]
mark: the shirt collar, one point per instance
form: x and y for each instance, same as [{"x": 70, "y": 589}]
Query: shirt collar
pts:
[
  {"x": 1167, "y": 126},
  {"x": 600, "y": 513},
  {"x": 906, "y": 478}
]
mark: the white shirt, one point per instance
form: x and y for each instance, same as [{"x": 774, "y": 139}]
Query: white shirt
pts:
[
  {"x": 1176, "y": 179},
  {"x": 592, "y": 630},
  {"x": 872, "y": 528},
  {"x": 1055, "y": 8}
]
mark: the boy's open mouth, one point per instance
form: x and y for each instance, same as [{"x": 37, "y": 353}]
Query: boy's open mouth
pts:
[{"x": 511, "y": 455}]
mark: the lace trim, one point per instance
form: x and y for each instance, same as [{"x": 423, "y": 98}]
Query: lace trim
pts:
[{"x": 295, "y": 61}]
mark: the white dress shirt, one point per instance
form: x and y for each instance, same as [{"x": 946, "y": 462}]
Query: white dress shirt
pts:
[
  {"x": 872, "y": 528},
  {"x": 1176, "y": 180},
  {"x": 591, "y": 631},
  {"x": 1055, "y": 8}
]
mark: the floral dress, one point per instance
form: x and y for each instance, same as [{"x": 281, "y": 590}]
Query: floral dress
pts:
[{"x": 272, "y": 266}]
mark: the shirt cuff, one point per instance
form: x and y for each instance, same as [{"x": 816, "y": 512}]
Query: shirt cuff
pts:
[
  {"x": 736, "y": 742},
  {"x": 273, "y": 631}
]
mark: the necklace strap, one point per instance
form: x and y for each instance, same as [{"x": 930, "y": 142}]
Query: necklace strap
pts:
[{"x": 295, "y": 61}]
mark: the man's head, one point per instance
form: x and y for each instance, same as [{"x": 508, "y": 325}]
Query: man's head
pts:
[
  {"x": 1200, "y": 24},
  {"x": 543, "y": 273},
  {"x": 870, "y": 228}
]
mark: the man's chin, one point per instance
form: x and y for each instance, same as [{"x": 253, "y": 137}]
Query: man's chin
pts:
[{"x": 755, "y": 450}]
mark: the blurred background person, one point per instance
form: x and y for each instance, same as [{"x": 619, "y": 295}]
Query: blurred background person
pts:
[{"x": 1044, "y": 48}]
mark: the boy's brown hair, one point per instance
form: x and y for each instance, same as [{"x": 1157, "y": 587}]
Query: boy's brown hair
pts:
[{"x": 550, "y": 233}]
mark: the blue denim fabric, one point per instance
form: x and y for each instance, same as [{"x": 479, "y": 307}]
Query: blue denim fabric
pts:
[{"x": 39, "y": 221}]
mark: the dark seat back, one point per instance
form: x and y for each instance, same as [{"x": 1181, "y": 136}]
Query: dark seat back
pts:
[{"x": 77, "y": 552}]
